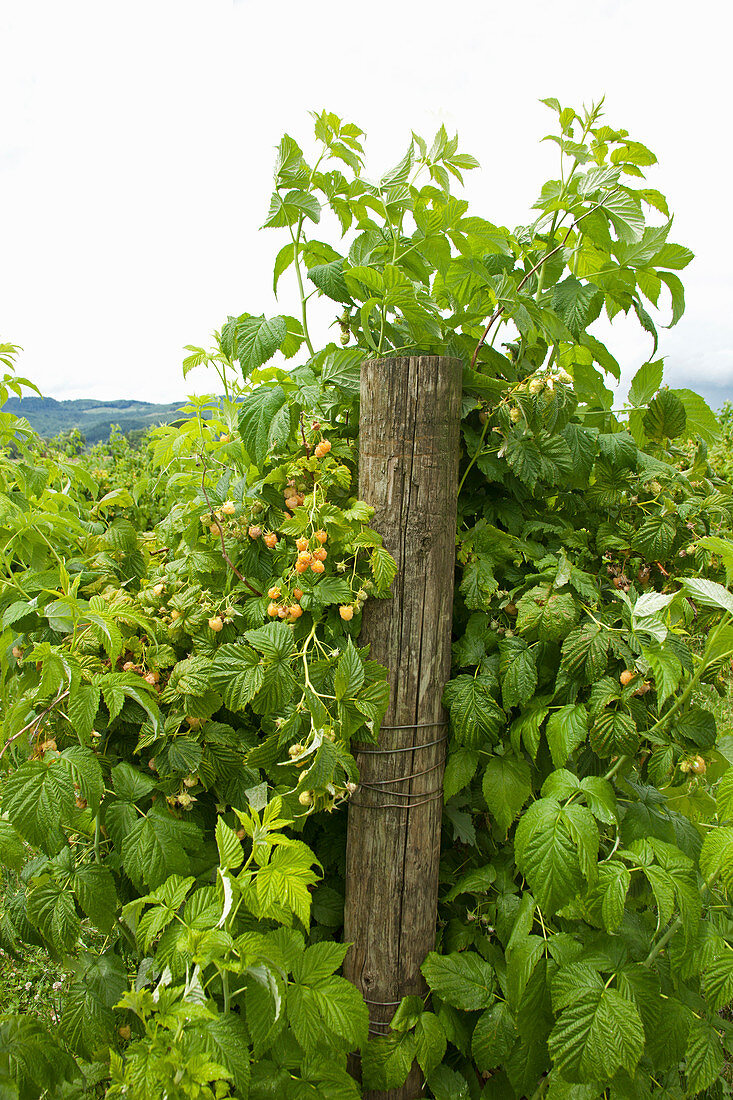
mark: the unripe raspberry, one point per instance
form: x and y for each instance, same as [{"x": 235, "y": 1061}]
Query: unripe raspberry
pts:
[
  {"x": 321, "y": 554},
  {"x": 228, "y": 508},
  {"x": 305, "y": 798},
  {"x": 346, "y": 612},
  {"x": 698, "y": 766},
  {"x": 190, "y": 781},
  {"x": 124, "y": 1032},
  {"x": 254, "y": 532},
  {"x": 515, "y": 415},
  {"x": 322, "y": 449},
  {"x": 302, "y": 543},
  {"x": 295, "y": 750},
  {"x": 274, "y": 593},
  {"x": 691, "y": 549},
  {"x": 216, "y": 624},
  {"x": 536, "y": 386},
  {"x": 175, "y": 615},
  {"x": 321, "y": 536},
  {"x": 215, "y": 529},
  {"x": 270, "y": 541},
  {"x": 158, "y": 589},
  {"x": 318, "y": 567}
]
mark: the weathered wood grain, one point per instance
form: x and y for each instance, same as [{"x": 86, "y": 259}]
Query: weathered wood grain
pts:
[{"x": 409, "y": 445}]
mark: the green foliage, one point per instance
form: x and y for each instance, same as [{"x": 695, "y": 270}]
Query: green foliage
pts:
[{"x": 180, "y": 697}]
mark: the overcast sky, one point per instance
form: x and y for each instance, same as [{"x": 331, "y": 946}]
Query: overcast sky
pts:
[{"x": 137, "y": 148}]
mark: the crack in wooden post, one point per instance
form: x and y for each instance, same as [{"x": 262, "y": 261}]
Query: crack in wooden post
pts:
[{"x": 408, "y": 470}]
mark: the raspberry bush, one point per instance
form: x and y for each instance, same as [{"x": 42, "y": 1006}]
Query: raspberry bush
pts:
[{"x": 179, "y": 701}]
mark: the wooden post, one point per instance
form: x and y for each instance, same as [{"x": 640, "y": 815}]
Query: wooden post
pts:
[{"x": 409, "y": 446}]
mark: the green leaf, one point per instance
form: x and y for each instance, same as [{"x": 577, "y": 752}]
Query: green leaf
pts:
[
  {"x": 12, "y": 851},
  {"x": 701, "y": 420},
  {"x": 597, "y": 1031},
  {"x": 349, "y": 676},
  {"x": 157, "y": 847},
  {"x": 719, "y": 980},
  {"x": 225, "y": 1037},
  {"x": 95, "y": 890},
  {"x": 130, "y": 784},
  {"x": 549, "y": 616},
  {"x": 37, "y": 798},
  {"x": 723, "y": 797},
  {"x": 493, "y": 1037},
  {"x": 430, "y": 1042},
  {"x": 556, "y": 849},
  {"x": 275, "y": 640},
  {"x": 285, "y": 881},
  {"x": 716, "y": 856},
  {"x": 677, "y": 293},
  {"x": 704, "y": 1056},
  {"x": 708, "y": 593},
  {"x": 87, "y": 1020},
  {"x": 606, "y": 899},
  {"x": 518, "y": 672},
  {"x": 328, "y": 1013},
  {"x": 319, "y": 961},
  {"x": 384, "y": 568},
  {"x": 666, "y": 417},
  {"x": 51, "y": 909},
  {"x": 231, "y": 854},
  {"x": 506, "y": 787},
  {"x": 387, "y": 1060},
  {"x": 625, "y": 215},
  {"x": 236, "y": 672},
  {"x": 474, "y": 713},
  {"x": 566, "y": 729},
  {"x": 329, "y": 279},
  {"x": 646, "y": 382},
  {"x": 461, "y": 979},
  {"x": 460, "y": 770},
  {"x": 83, "y": 707},
  {"x": 476, "y": 881},
  {"x": 258, "y": 420},
  {"x": 577, "y": 304}
]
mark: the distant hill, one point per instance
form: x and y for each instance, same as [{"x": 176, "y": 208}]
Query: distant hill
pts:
[{"x": 93, "y": 418}]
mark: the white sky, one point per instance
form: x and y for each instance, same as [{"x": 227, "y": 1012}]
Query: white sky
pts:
[{"x": 137, "y": 143}]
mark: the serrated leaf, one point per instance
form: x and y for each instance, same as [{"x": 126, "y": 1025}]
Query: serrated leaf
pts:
[
  {"x": 556, "y": 850},
  {"x": 493, "y": 1037},
  {"x": 566, "y": 730},
  {"x": 459, "y": 771},
  {"x": 506, "y": 787},
  {"x": 462, "y": 979},
  {"x": 597, "y": 1033}
]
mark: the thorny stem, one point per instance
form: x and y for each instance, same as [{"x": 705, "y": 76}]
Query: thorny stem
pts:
[
  {"x": 34, "y": 721},
  {"x": 217, "y": 522},
  {"x": 675, "y": 926},
  {"x": 540, "y": 263}
]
